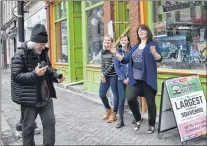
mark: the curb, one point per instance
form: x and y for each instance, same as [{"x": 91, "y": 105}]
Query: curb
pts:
[
  {"x": 95, "y": 98},
  {"x": 81, "y": 93}
]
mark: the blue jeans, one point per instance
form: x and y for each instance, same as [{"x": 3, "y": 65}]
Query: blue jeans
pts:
[
  {"x": 122, "y": 97},
  {"x": 111, "y": 98},
  {"x": 110, "y": 81}
]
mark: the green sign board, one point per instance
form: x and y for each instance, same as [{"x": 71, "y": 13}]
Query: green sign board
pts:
[{"x": 184, "y": 97}]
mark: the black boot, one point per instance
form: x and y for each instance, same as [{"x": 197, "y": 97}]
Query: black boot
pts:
[{"x": 120, "y": 123}]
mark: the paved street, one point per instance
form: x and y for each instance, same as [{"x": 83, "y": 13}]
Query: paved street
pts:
[{"x": 79, "y": 122}]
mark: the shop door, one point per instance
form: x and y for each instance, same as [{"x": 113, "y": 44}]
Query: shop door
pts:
[{"x": 76, "y": 49}]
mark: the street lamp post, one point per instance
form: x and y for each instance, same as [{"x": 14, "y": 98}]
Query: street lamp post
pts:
[
  {"x": 20, "y": 12},
  {"x": 20, "y": 17},
  {"x": 1, "y": 43}
]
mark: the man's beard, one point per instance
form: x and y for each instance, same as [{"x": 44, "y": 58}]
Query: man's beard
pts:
[{"x": 38, "y": 51}]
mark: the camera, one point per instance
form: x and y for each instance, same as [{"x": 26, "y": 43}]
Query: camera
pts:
[{"x": 50, "y": 70}]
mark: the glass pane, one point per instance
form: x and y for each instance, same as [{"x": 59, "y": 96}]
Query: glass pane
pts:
[
  {"x": 61, "y": 9},
  {"x": 95, "y": 2},
  {"x": 62, "y": 42},
  {"x": 181, "y": 32},
  {"x": 95, "y": 34},
  {"x": 64, "y": 8},
  {"x": 90, "y": 3},
  {"x": 56, "y": 14}
]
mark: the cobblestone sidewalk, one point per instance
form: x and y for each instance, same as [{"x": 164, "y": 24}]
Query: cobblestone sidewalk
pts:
[{"x": 79, "y": 122}]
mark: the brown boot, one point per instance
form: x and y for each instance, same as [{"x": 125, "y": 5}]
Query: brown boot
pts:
[
  {"x": 107, "y": 114},
  {"x": 112, "y": 117}
]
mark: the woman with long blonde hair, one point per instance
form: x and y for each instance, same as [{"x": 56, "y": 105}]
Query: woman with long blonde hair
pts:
[{"x": 108, "y": 78}]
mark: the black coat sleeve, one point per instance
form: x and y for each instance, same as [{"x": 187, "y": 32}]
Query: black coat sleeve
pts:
[
  {"x": 18, "y": 73},
  {"x": 159, "y": 52},
  {"x": 53, "y": 72}
]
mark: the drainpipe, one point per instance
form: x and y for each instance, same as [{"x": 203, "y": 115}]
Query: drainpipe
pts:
[
  {"x": 48, "y": 26},
  {"x": 1, "y": 36}
]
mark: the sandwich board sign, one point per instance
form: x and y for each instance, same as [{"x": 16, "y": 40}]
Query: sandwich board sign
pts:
[{"x": 183, "y": 106}]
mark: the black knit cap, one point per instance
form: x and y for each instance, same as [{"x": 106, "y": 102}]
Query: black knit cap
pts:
[{"x": 39, "y": 34}]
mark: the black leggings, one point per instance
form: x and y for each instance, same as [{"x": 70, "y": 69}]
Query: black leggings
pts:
[{"x": 141, "y": 88}]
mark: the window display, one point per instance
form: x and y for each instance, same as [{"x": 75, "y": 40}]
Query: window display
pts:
[
  {"x": 180, "y": 30},
  {"x": 95, "y": 35}
]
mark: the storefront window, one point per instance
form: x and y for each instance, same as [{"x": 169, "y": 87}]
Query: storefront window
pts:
[
  {"x": 62, "y": 42},
  {"x": 95, "y": 34},
  {"x": 181, "y": 32}
]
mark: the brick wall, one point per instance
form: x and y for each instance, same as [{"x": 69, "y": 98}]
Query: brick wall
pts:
[
  {"x": 108, "y": 8},
  {"x": 134, "y": 18}
]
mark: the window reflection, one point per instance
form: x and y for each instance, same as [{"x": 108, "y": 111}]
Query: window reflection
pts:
[
  {"x": 61, "y": 10},
  {"x": 180, "y": 30},
  {"x": 62, "y": 42},
  {"x": 90, "y": 3},
  {"x": 95, "y": 35}
]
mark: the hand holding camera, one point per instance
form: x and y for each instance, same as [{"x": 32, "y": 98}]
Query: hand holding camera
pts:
[
  {"x": 61, "y": 80},
  {"x": 43, "y": 65},
  {"x": 40, "y": 71}
]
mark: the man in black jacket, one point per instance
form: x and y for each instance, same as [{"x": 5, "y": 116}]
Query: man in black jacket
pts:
[{"x": 32, "y": 87}]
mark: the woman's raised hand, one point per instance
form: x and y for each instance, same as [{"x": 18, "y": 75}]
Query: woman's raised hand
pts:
[
  {"x": 113, "y": 49},
  {"x": 154, "y": 53},
  {"x": 153, "y": 50}
]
